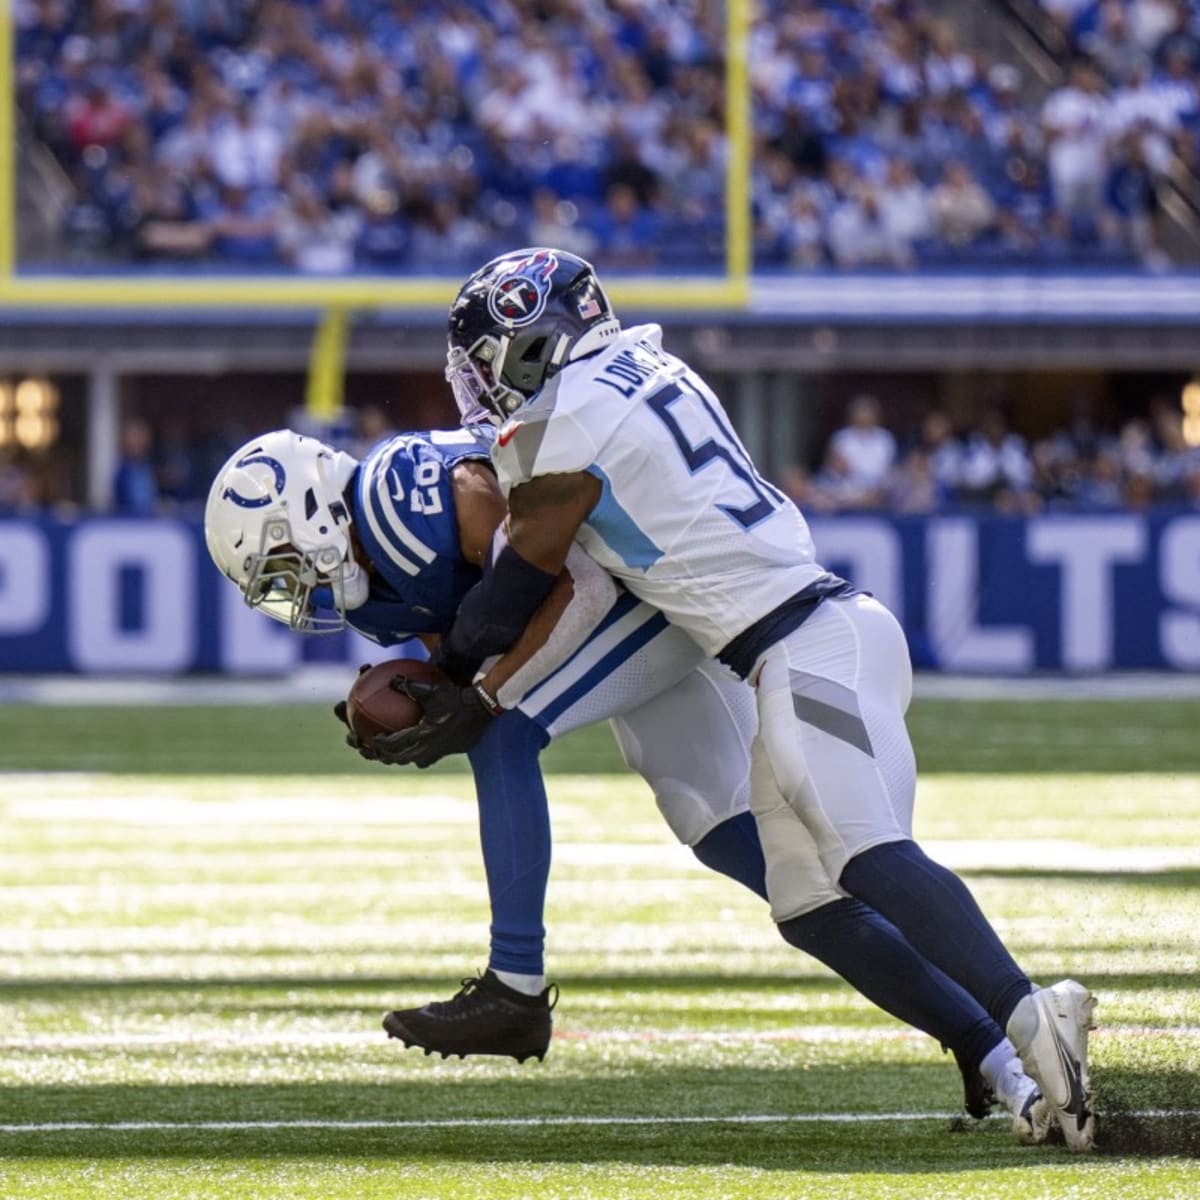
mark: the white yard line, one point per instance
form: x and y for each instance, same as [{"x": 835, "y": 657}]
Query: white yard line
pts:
[
  {"x": 372, "y": 1037},
  {"x": 842, "y": 1118}
]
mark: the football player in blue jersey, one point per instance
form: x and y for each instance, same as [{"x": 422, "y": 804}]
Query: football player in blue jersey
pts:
[
  {"x": 608, "y": 441},
  {"x": 390, "y": 547}
]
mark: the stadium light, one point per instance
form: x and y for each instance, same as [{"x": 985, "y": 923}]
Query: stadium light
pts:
[
  {"x": 28, "y": 413},
  {"x": 1191, "y": 412}
]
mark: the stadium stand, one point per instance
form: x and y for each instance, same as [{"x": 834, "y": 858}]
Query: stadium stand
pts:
[
  {"x": 327, "y": 136},
  {"x": 934, "y": 467}
]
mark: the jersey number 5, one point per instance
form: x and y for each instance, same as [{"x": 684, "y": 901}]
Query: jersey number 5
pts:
[{"x": 703, "y": 454}]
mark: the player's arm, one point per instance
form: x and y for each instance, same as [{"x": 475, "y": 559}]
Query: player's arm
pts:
[
  {"x": 455, "y": 716},
  {"x": 544, "y": 516},
  {"x": 479, "y": 509}
]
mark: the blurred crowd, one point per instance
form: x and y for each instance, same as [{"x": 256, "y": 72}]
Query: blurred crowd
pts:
[
  {"x": 884, "y": 141},
  {"x": 989, "y": 467},
  {"x": 866, "y": 466},
  {"x": 332, "y": 135}
]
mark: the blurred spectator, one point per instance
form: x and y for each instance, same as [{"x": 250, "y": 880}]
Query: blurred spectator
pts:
[
  {"x": 943, "y": 449},
  {"x": 372, "y": 426},
  {"x": 384, "y": 237},
  {"x": 858, "y": 235},
  {"x": 1110, "y": 45},
  {"x": 1102, "y": 482},
  {"x": 996, "y": 468},
  {"x": 18, "y": 484},
  {"x": 555, "y": 222},
  {"x": 865, "y": 448},
  {"x": 913, "y": 486},
  {"x": 962, "y": 211},
  {"x": 1133, "y": 194},
  {"x": 1180, "y": 39},
  {"x": 246, "y": 149},
  {"x": 1150, "y": 21},
  {"x": 96, "y": 119},
  {"x": 135, "y": 488},
  {"x": 834, "y": 488},
  {"x": 177, "y": 472},
  {"x": 803, "y": 238},
  {"x": 244, "y": 226},
  {"x": 313, "y": 239},
  {"x": 904, "y": 203},
  {"x": 1075, "y": 119},
  {"x": 625, "y": 231}
]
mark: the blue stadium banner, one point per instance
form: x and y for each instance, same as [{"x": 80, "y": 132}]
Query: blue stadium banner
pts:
[{"x": 985, "y": 594}]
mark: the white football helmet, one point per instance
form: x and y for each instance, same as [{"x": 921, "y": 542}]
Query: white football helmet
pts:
[{"x": 278, "y": 525}]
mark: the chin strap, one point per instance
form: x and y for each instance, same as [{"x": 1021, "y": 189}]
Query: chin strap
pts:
[{"x": 350, "y": 587}]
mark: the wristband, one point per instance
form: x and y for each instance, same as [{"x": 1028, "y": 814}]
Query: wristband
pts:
[{"x": 488, "y": 701}]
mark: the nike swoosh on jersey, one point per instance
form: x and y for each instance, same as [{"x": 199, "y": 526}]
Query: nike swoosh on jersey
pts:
[{"x": 507, "y": 433}]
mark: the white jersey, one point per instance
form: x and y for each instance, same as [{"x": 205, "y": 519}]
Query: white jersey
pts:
[{"x": 684, "y": 519}]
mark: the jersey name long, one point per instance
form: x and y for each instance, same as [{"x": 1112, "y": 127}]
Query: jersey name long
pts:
[
  {"x": 683, "y": 518},
  {"x": 402, "y": 505}
]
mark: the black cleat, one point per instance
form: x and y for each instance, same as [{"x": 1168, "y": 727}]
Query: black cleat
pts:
[
  {"x": 484, "y": 1017},
  {"x": 978, "y": 1097}
]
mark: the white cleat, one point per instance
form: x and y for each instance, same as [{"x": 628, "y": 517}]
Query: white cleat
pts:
[
  {"x": 1050, "y": 1030},
  {"x": 1031, "y": 1116}
]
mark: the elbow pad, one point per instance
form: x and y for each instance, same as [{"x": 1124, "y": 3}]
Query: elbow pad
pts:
[{"x": 493, "y": 614}]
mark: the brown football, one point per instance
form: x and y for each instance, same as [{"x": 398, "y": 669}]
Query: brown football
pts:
[{"x": 374, "y": 706}]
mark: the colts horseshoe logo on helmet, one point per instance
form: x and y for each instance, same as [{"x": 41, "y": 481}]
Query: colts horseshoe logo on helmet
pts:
[
  {"x": 276, "y": 469},
  {"x": 519, "y": 296}
]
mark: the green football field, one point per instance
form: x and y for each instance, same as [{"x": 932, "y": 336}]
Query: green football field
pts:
[{"x": 204, "y": 913}]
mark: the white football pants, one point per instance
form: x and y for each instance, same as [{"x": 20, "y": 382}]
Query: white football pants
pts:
[
  {"x": 833, "y": 766},
  {"x": 682, "y": 721}
]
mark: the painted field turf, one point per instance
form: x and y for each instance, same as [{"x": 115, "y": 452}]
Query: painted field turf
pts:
[{"x": 205, "y": 912}]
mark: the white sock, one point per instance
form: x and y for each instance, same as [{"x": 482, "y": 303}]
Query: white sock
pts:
[
  {"x": 1003, "y": 1071},
  {"x": 996, "y": 1059},
  {"x": 531, "y": 985}
]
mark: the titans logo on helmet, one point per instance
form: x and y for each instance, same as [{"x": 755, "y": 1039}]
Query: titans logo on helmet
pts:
[{"x": 519, "y": 295}]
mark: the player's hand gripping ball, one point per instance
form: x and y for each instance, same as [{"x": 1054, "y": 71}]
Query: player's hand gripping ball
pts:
[
  {"x": 409, "y": 713},
  {"x": 377, "y": 706}
]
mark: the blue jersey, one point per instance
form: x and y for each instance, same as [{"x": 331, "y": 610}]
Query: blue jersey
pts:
[{"x": 402, "y": 505}]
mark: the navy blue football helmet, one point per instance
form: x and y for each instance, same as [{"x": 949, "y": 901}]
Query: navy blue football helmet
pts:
[{"x": 516, "y": 323}]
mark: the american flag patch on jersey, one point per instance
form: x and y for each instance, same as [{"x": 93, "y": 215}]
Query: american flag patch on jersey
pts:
[{"x": 589, "y": 309}]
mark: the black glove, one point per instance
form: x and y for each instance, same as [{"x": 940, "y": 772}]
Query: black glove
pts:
[
  {"x": 459, "y": 667},
  {"x": 453, "y": 720},
  {"x": 352, "y": 738}
]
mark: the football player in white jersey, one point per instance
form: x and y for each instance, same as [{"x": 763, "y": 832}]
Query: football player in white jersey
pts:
[
  {"x": 607, "y": 438},
  {"x": 390, "y": 546}
]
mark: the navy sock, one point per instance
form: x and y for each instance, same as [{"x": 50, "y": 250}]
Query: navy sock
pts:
[
  {"x": 514, "y": 830},
  {"x": 872, "y": 955},
  {"x": 733, "y": 849},
  {"x": 936, "y": 912}
]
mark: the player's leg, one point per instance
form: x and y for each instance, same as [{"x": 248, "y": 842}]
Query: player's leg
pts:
[
  {"x": 505, "y": 1011},
  {"x": 702, "y": 785},
  {"x": 691, "y": 744},
  {"x": 875, "y": 958},
  {"x": 832, "y": 698}
]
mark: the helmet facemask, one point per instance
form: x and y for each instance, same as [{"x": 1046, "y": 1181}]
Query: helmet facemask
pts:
[
  {"x": 471, "y": 375},
  {"x": 283, "y": 582}
]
